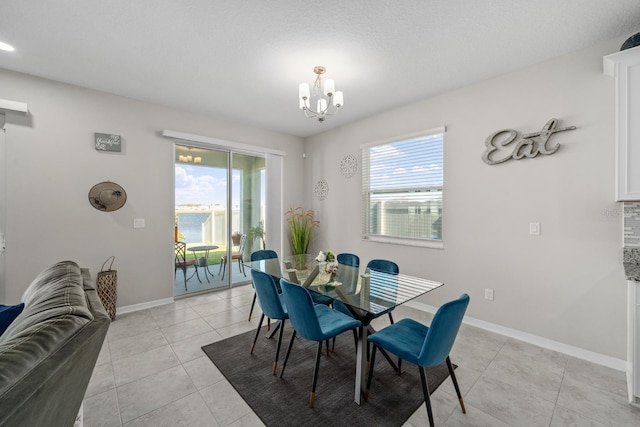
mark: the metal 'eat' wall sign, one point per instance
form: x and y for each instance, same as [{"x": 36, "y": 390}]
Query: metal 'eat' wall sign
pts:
[
  {"x": 528, "y": 145},
  {"x": 108, "y": 142}
]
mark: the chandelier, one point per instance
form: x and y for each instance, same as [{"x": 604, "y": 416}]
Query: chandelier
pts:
[
  {"x": 323, "y": 97},
  {"x": 188, "y": 158}
]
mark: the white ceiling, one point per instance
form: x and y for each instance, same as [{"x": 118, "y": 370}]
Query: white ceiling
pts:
[{"x": 242, "y": 61}]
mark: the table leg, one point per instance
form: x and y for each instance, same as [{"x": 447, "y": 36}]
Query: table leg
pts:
[
  {"x": 361, "y": 364},
  {"x": 205, "y": 267}
]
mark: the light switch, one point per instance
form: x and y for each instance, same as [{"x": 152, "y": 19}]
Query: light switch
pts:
[
  {"x": 534, "y": 228},
  {"x": 138, "y": 223}
]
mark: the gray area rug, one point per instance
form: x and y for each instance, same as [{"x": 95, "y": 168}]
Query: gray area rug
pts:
[{"x": 285, "y": 402}]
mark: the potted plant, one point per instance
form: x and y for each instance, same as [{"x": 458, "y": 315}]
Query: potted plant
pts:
[
  {"x": 301, "y": 225},
  {"x": 235, "y": 238}
]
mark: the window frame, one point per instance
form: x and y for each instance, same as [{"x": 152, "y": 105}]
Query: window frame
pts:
[{"x": 366, "y": 192}]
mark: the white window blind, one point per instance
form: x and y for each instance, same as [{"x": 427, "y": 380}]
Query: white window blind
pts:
[{"x": 402, "y": 188}]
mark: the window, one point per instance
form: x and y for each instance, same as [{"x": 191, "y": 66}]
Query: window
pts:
[{"x": 402, "y": 188}]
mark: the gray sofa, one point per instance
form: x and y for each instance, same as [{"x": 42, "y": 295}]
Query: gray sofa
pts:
[{"x": 48, "y": 353}]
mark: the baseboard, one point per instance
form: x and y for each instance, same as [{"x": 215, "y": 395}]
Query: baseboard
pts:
[
  {"x": 580, "y": 353},
  {"x": 142, "y": 306}
]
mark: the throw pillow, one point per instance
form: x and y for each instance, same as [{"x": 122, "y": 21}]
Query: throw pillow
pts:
[{"x": 8, "y": 314}]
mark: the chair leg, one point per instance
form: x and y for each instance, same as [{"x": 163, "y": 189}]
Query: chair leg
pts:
[
  {"x": 274, "y": 329},
  {"x": 195, "y": 272},
  {"x": 257, "y": 333},
  {"x": 223, "y": 266},
  {"x": 455, "y": 384},
  {"x": 275, "y": 362},
  {"x": 425, "y": 391},
  {"x": 253, "y": 304},
  {"x": 198, "y": 274},
  {"x": 399, "y": 360},
  {"x": 184, "y": 273},
  {"x": 241, "y": 267},
  {"x": 286, "y": 358},
  {"x": 355, "y": 339},
  {"x": 386, "y": 356},
  {"x": 370, "y": 376},
  {"x": 312, "y": 399}
]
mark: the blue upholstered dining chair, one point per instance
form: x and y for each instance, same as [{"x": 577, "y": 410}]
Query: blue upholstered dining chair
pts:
[
  {"x": 348, "y": 277},
  {"x": 379, "y": 289},
  {"x": 349, "y": 280},
  {"x": 384, "y": 266},
  {"x": 422, "y": 345},
  {"x": 272, "y": 305},
  {"x": 259, "y": 256},
  {"x": 315, "y": 322}
]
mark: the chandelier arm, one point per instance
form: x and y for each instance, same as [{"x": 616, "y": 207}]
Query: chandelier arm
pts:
[{"x": 311, "y": 114}]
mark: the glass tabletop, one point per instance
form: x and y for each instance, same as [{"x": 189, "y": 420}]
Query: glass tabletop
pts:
[{"x": 372, "y": 291}]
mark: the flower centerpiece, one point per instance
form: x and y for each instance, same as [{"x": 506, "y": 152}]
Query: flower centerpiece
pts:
[{"x": 330, "y": 264}]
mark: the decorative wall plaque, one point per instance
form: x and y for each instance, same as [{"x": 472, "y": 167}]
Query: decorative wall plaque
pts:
[
  {"x": 321, "y": 189},
  {"x": 108, "y": 142},
  {"x": 528, "y": 145},
  {"x": 348, "y": 165}
]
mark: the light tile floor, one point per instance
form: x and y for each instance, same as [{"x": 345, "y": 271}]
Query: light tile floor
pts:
[{"x": 152, "y": 372}]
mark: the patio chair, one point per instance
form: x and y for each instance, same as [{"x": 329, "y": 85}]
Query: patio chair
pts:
[
  {"x": 182, "y": 263},
  {"x": 234, "y": 255}
]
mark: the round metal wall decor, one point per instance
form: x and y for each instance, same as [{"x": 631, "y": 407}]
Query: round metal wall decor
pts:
[
  {"x": 632, "y": 41},
  {"x": 348, "y": 165},
  {"x": 321, "y": 189},
  {"x": 107, "y": 196}
]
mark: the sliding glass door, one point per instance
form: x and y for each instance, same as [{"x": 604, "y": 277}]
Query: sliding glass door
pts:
[{"x": 220, "y": 213}]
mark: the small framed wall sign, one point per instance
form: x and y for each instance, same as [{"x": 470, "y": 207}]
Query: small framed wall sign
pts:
[{"x": 108, "y": 142}]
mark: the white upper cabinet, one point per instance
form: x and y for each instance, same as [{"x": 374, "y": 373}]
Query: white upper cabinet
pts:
[{"x": 625, "y": 67}]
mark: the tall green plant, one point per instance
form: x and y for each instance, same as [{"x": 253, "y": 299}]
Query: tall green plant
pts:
[
  {"x": 257, "y": 232},
  {"x": 301, "y": 224}
]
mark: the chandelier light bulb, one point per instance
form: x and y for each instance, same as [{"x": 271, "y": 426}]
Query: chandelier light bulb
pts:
[
  {"x": 329, "y": 87},
  {"x": 337, "y": 99},
  {"x": 304, "y": 91}
]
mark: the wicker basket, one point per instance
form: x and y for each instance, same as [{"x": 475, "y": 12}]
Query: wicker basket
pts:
[{"x": 107, "y": 286}]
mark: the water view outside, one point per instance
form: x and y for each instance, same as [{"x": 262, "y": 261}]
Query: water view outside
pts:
[{"x": 190, "y": 225}]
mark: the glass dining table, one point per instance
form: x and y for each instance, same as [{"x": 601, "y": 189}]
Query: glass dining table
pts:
[{"x": 366, "y": 295}]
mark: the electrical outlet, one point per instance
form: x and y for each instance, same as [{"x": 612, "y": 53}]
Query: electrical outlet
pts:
[{"x": 488, "y": 294}]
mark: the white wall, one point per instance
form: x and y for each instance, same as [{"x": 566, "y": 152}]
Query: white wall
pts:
[
  {"x": 565, "y": 285},
  {"x": 51, "y": 164}
]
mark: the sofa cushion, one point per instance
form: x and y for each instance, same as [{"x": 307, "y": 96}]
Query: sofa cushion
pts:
[
  {"x": 55, "y": 309},
  {"x": 8, "y": 313},
  {"x": 48, "y": 353}
]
